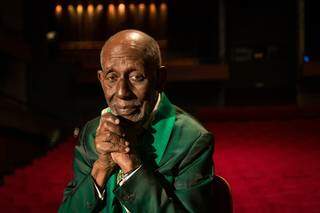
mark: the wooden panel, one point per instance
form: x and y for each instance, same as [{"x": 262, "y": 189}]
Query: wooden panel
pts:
[{"x": 219, "y": 72}]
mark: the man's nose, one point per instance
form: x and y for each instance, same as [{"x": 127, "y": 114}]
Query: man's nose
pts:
[{"x": 123, "y": 89}]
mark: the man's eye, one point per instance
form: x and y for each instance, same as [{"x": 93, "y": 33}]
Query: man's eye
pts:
[
  {"x": 137, "y": 78},
  {"x": 111, "y": 78}
]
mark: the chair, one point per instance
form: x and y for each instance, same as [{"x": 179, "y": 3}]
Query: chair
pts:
[{"x": 222, "y": 197}]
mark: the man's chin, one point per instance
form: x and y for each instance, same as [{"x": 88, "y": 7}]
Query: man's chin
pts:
[
  {"x": 135, "y": 115},
  {"x": 135, "y": 118}
]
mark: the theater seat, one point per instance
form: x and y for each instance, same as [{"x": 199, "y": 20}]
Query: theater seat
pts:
[{"x": 222, "y": 197}]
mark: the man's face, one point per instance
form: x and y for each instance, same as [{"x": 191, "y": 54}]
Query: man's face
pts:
[{"x": 128, "y": 85}]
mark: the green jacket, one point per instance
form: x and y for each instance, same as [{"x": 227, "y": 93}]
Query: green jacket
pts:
[{"x": 176, "y": 177}]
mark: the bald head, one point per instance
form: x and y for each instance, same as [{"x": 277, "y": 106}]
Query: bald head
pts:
[
  {"x": 132, "y": 76},
  {"x": 145, "y": 46}
]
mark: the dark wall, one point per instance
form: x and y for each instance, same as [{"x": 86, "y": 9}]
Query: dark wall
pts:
[
  {"x": 312, "y": 29},
  {"x": 193, "y": 29},
  {"x": 262, "y": 42}
]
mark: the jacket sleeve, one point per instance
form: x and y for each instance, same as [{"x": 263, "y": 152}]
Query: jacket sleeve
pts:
[
  {"x": 191, "y": 190},
  {"x": 80, "y": 194}
]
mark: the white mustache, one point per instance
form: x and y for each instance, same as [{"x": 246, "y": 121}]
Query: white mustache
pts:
[
  {"x": 124, "y": 106},
  {"x": 127, "y": 105}
]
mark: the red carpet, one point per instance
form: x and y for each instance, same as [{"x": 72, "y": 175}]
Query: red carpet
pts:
[
  {"x": 39, "y": 187},
  {"x": 272, "y": 166}
]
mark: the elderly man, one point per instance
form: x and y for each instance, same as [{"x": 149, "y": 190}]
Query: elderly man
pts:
[{"x": 143, "y": 154}]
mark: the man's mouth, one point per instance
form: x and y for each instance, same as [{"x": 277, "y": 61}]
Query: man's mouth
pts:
[{"x": 127, "y": 110}]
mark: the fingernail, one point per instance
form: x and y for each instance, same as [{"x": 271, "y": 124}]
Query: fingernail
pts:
[
  {"x": 126, "y": 143},
  {"x": 127, "y": 149},
  {"x": 117, "y": 121}
]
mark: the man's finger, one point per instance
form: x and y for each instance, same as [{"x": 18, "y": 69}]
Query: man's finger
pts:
[
  {"x": 105, "y": 148},
  {"x": 101, "y": 138},
  {"x": 114, "y": 138},
  {"x": 110, "y": 118},
  {"x": 108, "y": 126},
  {"x": 111, "y": 138}
]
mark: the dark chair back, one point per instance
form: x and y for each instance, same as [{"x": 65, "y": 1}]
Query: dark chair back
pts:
[{"x": 222, "y": 197}]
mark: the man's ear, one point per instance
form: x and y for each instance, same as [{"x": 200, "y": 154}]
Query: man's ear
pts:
[
  {"x": 100, "y": 76},
  {"x": 161, "y": 78}
]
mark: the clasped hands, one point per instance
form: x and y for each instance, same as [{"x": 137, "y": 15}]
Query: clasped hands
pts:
[{"x": 114, "y": 142}]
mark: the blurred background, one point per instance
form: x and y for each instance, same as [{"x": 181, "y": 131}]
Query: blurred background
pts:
[{"x": 249, "y": 70}]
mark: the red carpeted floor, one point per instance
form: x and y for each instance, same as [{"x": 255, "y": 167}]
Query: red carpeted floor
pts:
[{"x": 271, "y": 165}]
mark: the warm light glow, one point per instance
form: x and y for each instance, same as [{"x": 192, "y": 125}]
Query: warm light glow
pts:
[
  {"x": 163, "y": 8},
  {"x": 58, "y": 9},
  {"x": 132, "y": 8},
  {"x": 141, "y": 13},
  {"x": 141, "y": 8},
  {"x": 71, "y": 9},
  {"x": 90, "y": 9},
  {"x": 258, "y": 55},
  {"x": 152, "y": 10},
  {"x": 79, "y": 9},
  {"x": 163, "y": 13},
  {"x": 99, "y": 8},
  {"x": 51, "y": 35},
  {"x": 111, "y": 11},
  {"x": 121, "y": 9}
]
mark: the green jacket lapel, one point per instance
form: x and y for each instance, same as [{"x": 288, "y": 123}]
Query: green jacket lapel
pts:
[{"x": 162, "y": 125}]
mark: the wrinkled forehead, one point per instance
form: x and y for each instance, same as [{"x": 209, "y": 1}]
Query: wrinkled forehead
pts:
[{"x": 128, "y": 49}]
